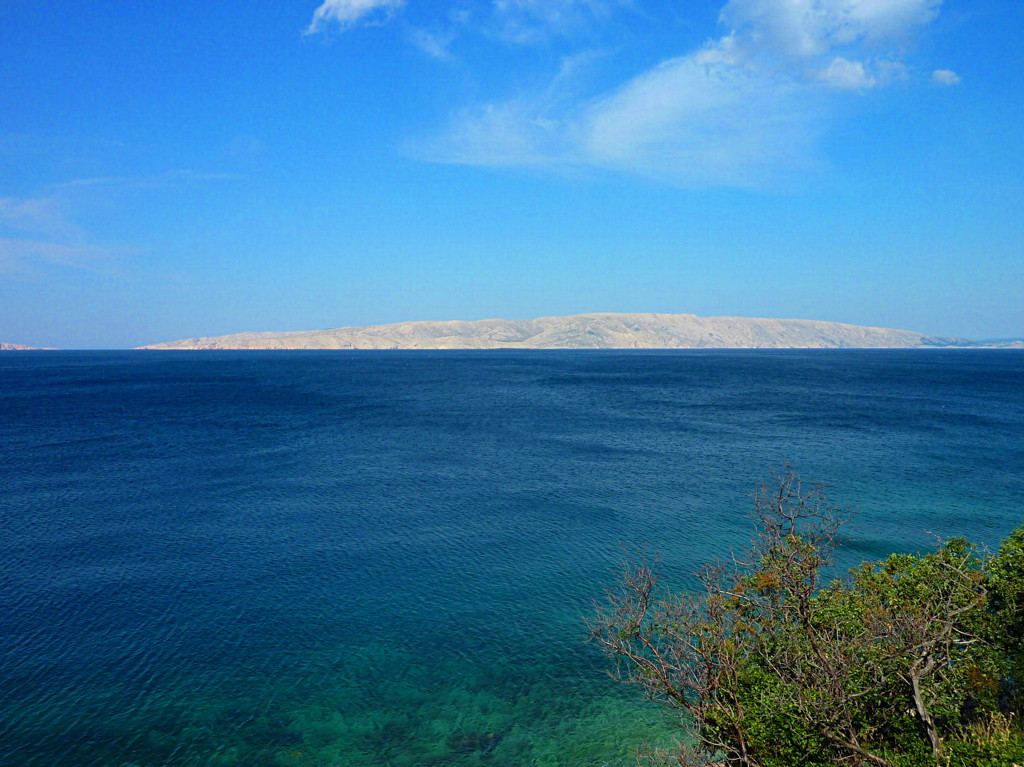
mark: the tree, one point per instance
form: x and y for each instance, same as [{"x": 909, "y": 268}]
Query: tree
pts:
[{"x": 905, "y": 662}]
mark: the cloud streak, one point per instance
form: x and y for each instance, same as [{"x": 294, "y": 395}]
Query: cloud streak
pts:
[
  {"x": 434, "y": 44},
  {"x": 846, "y": 75},
  {"x": 526, "y": 22},
  {"x": 802, "y": 29},
  {"x": 343, "y": 14},
  {"x": 945, "y": 77},
  {"x": 40, "y": 229},
  {"x": 517, "y": 23},
  {"x": 20, "y": 257},
  {"x": 38, "y": 215},
  {"x": 695, "y": 123},
  {"x": 745, "y": 109}
]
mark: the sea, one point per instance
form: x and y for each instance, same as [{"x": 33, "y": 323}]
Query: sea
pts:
[{"x": 334, "y": 559}]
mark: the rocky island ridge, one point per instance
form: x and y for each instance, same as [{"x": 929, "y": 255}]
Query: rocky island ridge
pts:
[{"x": 585, "y": 331}]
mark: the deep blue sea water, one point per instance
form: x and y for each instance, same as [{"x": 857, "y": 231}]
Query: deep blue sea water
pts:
[{"x": 362, "y": 558}]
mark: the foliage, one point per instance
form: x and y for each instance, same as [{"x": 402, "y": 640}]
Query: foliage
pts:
[
  {"x": 915, "y": 660},
  {"x": 1005, "y": 627}
]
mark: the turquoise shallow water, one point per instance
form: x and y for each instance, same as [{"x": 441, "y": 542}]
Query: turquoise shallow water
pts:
[{"x": 382, "y": 558}]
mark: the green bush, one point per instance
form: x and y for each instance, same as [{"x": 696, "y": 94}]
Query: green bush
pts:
[{"x": 915, "y": 660}]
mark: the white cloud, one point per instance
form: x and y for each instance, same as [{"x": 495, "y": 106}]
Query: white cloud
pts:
[
  {"x": 515, "y": 133},
  {"x": 531, "y": 21},
  {"x": 41, "y": 229},
  {"x": 38, "y": 231},
  {"x": 745, "y": 109},
  {"x": 809, "y": 28},
  {"x": 345, "y": 13},
  {"x": 19, "y": 257},
  {"x": 686, "y": 122},
  {"x": 945, "y": 77},
  {"x": 434, "y": 44},
  {"x": 891, "y": 71},
  {"x": 884, "y": 20},
  {"x": 847, "y": 75},
  {"x": 693, "y": 123},
  {"x": 534, "y": 129},
  {"x": 37, "y": 215},
  {"x": 516, "y": 22}
]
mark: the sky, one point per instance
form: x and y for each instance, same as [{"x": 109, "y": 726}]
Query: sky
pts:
[{"x": 170, "y": 170}]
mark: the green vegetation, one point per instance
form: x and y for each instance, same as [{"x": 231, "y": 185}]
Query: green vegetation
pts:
[{"x": 912, "y": 661}]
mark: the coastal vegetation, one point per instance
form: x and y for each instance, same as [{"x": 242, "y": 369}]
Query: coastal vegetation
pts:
[{"x": 911, "y": 661}]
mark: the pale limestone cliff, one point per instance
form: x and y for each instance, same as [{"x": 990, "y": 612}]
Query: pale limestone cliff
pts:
[
  {"x": 16, "y": 348},
  {"x": 583, "y": 331}
]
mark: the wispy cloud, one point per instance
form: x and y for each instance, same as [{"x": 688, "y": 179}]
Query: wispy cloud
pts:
[
  {"x": 41, "y": 228},
  {"x": 512, "y": 22},
  {"x": 435, "y": 44},
  {"x": 532, "y": 129},
  {"x": 803, "y": 29},
  {"x": 526, "y": 22},
  {"x": 694, "y": 122},
  {"x": 744, "y": 109},
  {"x": 21, "y": 257},
  {"x": 147, "y": 181},
  {"x": 847, "y": 75},
  {"x": 945, "y": 77},
  {"x": 342, "y": 14},
  {"x": 38, "y": 215}
]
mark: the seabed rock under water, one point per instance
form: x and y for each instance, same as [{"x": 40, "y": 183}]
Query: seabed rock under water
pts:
[{"x": 480, "y": 743}]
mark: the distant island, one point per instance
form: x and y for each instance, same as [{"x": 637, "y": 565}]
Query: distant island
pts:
[
  {"x": 589, "y": 331},
  {"x": 4, "y": 347}
]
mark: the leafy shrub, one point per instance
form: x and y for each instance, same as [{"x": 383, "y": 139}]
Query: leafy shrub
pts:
[{"x": 915, "y": 660}]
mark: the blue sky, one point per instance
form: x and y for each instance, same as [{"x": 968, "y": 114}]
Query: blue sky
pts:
[{"x": 170, "y": 170}]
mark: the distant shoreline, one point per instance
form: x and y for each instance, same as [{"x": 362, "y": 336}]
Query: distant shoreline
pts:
[
  {"x": 965, "y": 347},
  {"x": 589, "y": 331},
  {"x": 580, "y": 332},
  {"x": 143, "y": 349}
]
